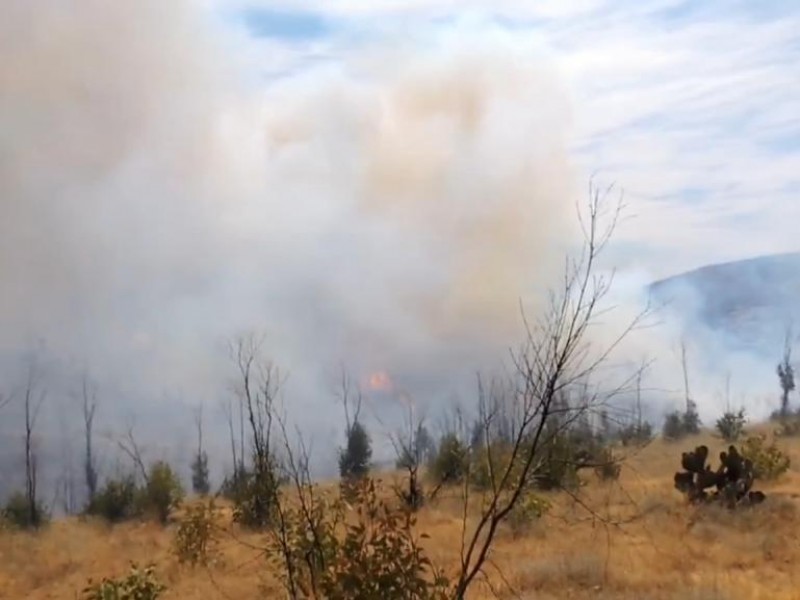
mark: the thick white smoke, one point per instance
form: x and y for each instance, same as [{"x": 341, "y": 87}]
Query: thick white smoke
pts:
[
  {"x": 157, "y": 197},
  {"x": 386, "y": 213}
]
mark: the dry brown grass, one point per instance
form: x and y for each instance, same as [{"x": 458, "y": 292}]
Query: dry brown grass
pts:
[{"x": 659, "y": 549}]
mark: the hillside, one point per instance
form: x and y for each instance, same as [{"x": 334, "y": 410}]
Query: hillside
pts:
[
  {"x": 644, "y": 543},
  {"x": 747, "y": 303}
]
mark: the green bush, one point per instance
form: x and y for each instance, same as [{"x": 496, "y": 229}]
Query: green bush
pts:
[
  {"x": 527, "y": 510},
  {"x": 117, "y": 501},
  {"x": 369, "y": 556},
  {"x": 449, "y": 464},
  {"x": 195, "y": 542},
  {"x": 139, "y": 584},
  {"x": 256, "y": 498},
  {"x": 488, "y": 462},
  {"x": 636, "y": 434},
  {"x": 678, "y": 425},
  {"x": 769, "y": 462},
  {"x": 731, "y": 425},
  {"x": 200, "y": 481},
  {"x": 607, "y": 466},
  {"x": 355, "y": 457},
  {"x": 233, "y": 486},
  {"x": 162, "y": 492},
  {"x": 559, "y": 456},
  {"x": 17, "y": 512}
]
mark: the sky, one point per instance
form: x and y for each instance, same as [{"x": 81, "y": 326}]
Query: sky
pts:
[
  {"x": 368, "y": 183},
  {"x": 692, "y": 107}
]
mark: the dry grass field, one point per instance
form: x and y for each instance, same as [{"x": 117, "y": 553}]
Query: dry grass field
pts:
[{"x": 642, "y": 543}]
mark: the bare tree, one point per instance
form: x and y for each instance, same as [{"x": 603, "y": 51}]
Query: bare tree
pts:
[
  {"x": 259, "y": 384},
  {"x": 131, "y": 448},
  {"x": 728, "y": 391},
  {"x": 555, "y": 356},
  {"x": 786, "y": 374},
  {"x": 351, "y": 399},
  {"x": 200, "y": 482},
  {"x": 411, "y": 444},
  {"x": 66, "y": 489},
  {"x": 228, "y": 411},
  {"x": 89, "y": 407},
  {"x": 354, "y": 458},
  {"x": 33, "y": 398},
  {"x": 690, "y": 405}
]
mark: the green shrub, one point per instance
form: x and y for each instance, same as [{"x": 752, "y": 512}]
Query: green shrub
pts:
[
  {"x": 256, "y": 498},
  {"x": 17, "y": 512},
  {"x": 195, "y": 542},
  {"x": 678, "y": 425},
  {"x": 769, "y": 462},
  {"x": 139, "y": 584},
  {"x": 117, "y": 501},
  {"x": 449, "y": 464},
  {"x": 162, "y": 492},
  {"x": 636, "y": 434},
  {"x": 200, "y": 481},
  {"x": 731, "y": 425},
  {"x": 233, "y": 486},
  {"x": 559, "y": 457},
  {"x": 355, "y": 457},
  {"x": 527, "y": 510},
  {"x": 607, "y": 466},
  {"x": 369, "y": 556},
  {"x": 488, "y": 462}
]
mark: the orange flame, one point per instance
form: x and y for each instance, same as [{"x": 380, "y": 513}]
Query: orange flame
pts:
[{"x": 380, "y": 382}]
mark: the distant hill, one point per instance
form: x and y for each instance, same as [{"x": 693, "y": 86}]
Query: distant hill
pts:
[{"x": 749, "y": 302}]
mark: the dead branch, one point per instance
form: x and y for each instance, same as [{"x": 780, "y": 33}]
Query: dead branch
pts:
[
  {"x": 555, "y": 357},
  {"x": 33, "y": 403},
  {"x": 89, "y": 406},
  {"x": 131, "y": 448}
]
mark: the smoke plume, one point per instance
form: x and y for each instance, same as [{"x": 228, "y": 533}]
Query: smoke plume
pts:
[
  {"x": 158, "y": 197},
  {"x": 387, "y": 213}
]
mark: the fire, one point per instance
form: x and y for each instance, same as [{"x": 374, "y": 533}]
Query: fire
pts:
[{"x": 380, "y": 382}]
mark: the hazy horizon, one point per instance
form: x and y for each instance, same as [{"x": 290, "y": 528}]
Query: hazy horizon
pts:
[{"x": 369, "y": 186}]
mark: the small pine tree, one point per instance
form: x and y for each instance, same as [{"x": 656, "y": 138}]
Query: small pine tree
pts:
[
  {"x": 678, "y": 425},
  {"x": 636, "y": 434},
  {"x": 200, "y": 481},
  {"x": 162, "y": 491},
  {"x": 116, "y": 501},
  {"x": 449, "y": 464},
  {"x": 673, "y": 426},
  {"x": 731, "y": 425},
  {"x": 691, "y": 420},
  {"x": 355, "y": 457}
]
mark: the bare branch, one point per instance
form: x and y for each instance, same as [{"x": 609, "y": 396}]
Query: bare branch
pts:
[
  {"x": 131, "y": 448},
  {"x": 555, "y": 358},
  {"x": 89, "y": 407}
]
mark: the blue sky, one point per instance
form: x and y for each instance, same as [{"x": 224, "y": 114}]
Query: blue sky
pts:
[{"x": 697, "y": 102}]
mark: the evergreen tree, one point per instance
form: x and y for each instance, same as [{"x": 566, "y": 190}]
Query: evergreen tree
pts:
[
  {"x": 200, "y": 482},
  {"x": 355, "y": 457}
]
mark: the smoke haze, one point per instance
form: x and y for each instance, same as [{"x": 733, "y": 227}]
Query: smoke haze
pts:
[{"x": 386, "y": 212}]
